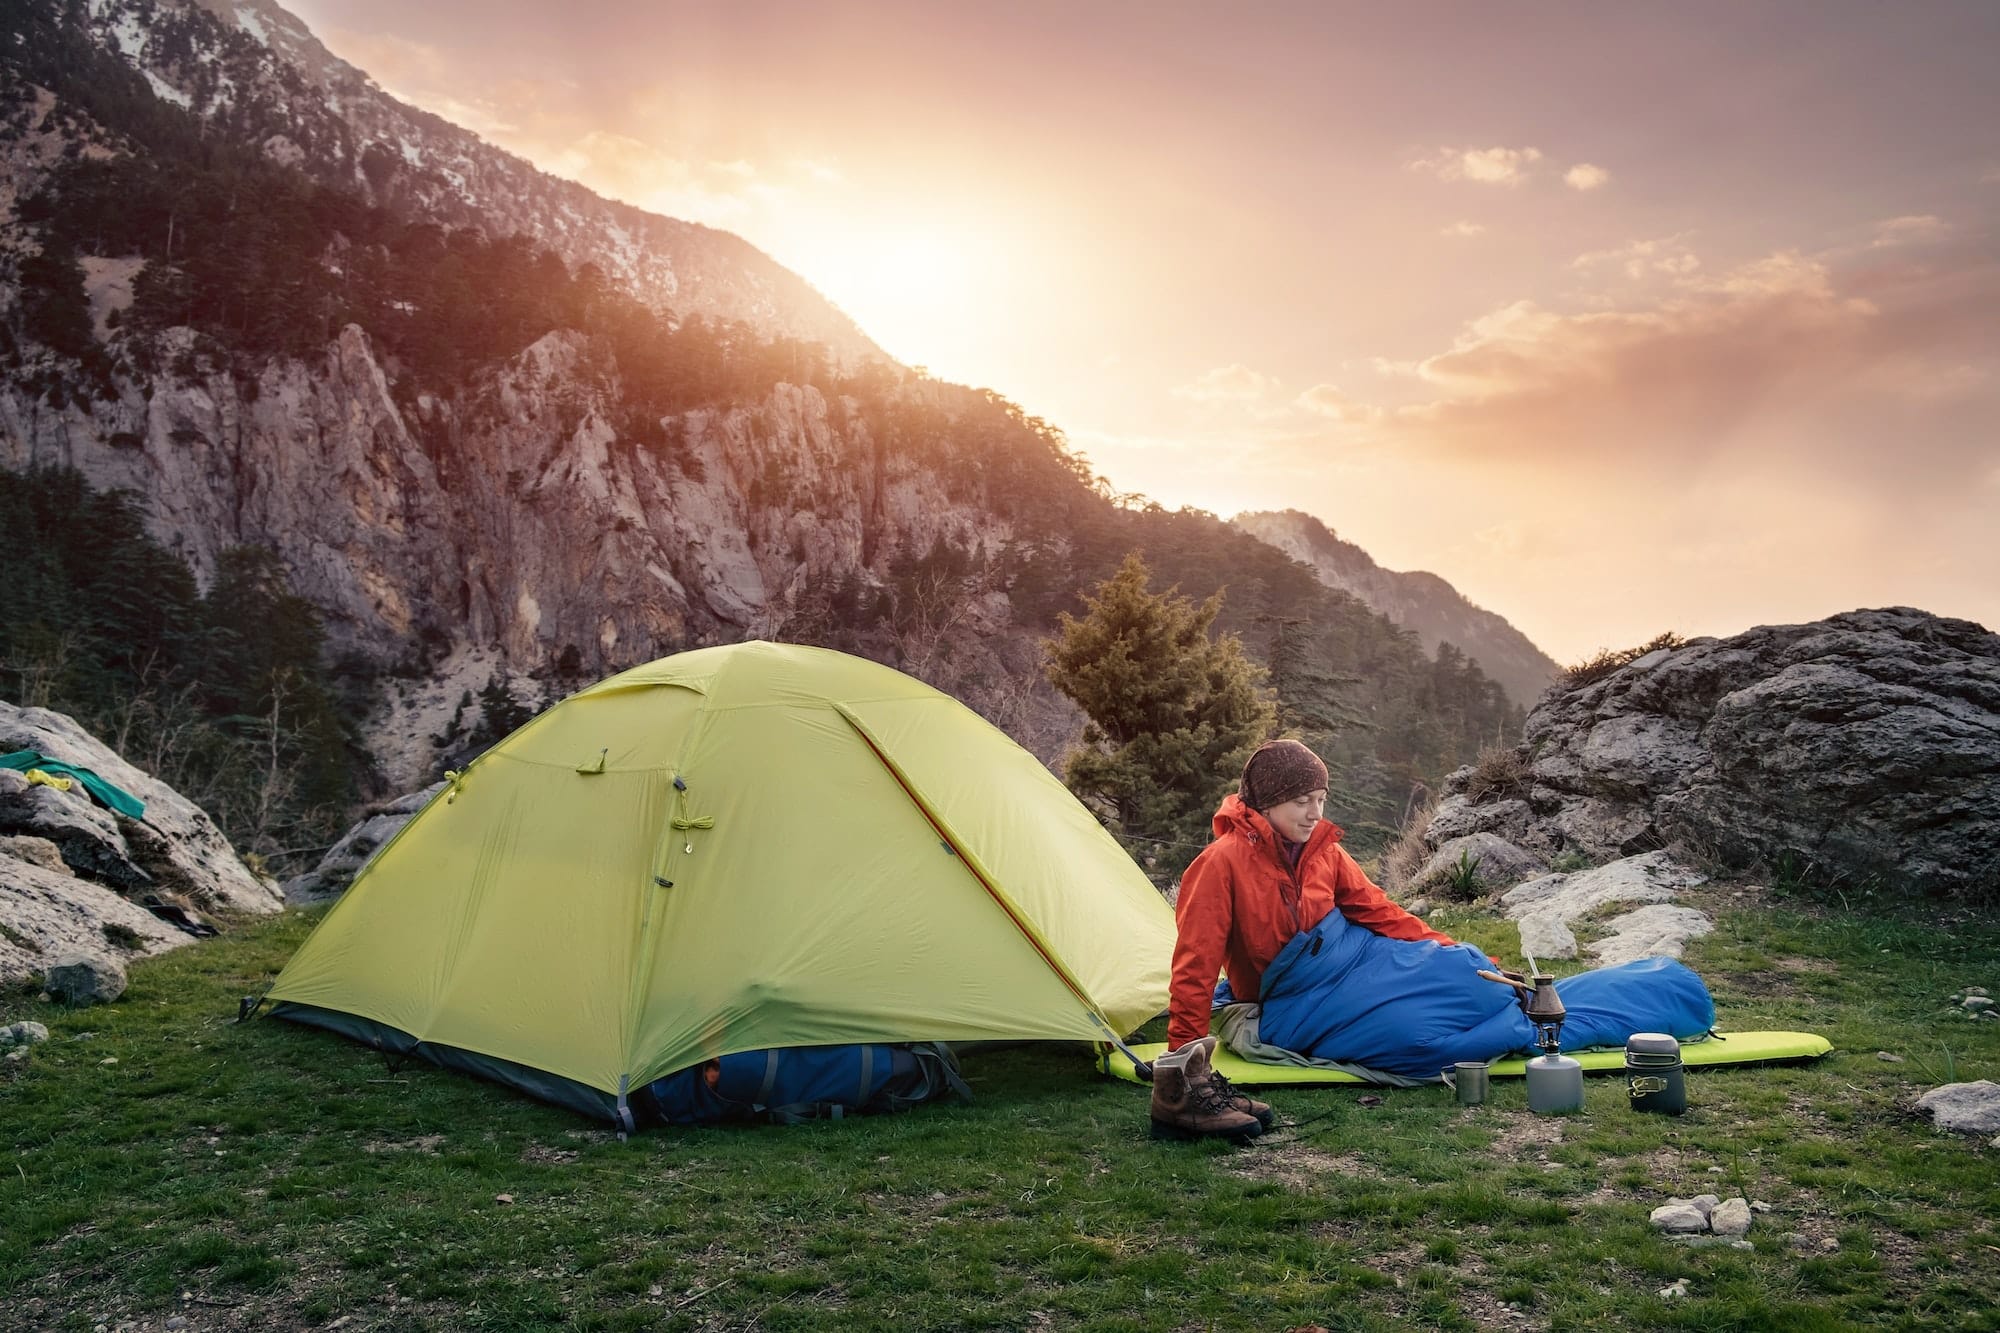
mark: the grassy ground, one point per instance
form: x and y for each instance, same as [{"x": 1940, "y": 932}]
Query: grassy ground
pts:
[{"x": 163, "y": 1164}]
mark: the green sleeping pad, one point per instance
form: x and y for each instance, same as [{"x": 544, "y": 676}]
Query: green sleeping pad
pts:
[{"x": 1732, "y": 1048}]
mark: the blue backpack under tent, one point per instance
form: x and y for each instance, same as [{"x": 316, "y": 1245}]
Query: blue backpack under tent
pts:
[{"x": 794, "y": 1083}]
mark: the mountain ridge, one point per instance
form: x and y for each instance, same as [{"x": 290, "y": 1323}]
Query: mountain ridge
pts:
[
  {"x": 1420, "y": 601},
  {"x": 308, "y": 108}
]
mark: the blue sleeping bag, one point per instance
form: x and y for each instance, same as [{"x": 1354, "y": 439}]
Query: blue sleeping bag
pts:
[{"x": 1341, "y": 992}]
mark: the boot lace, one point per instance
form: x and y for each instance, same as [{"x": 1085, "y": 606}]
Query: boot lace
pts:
[
  {"x": 1212, "y": 1095},
  {"x": 1220, "y": 1082}
]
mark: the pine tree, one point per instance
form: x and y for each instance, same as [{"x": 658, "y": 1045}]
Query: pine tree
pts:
[{"x": 1172, "y": 712}]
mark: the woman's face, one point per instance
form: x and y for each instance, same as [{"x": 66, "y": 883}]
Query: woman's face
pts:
[{"x": 1294, "y": 820}]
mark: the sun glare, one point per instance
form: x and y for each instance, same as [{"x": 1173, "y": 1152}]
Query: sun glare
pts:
[{"x": 908, "y": 288}]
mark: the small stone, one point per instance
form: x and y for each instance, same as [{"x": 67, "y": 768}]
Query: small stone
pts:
[
  {"x": 1889, "y": 1057},
  {"x": 1829, "y": 1243},
  {"x": 176, "y": 1323},
  {"x": 1975, "y": 992},
  {"x": 1678, "y": 1218},
  {"x": 1705, "y": 1202},
  {"x": 1740, "y": 1244},
  {"x": 1419, "y": 907},
  {"x": 1717, "y": 1171},
  {"x": 1730, "y": 1218},
  {"x": 1977, "y": 1004},
  {"x": 109, "y": 1060},
  {"x": 17, "y": 1055},
  {"x": 503, "y": 1198},
  {"x": 22, "y": 1034},
  {"x": 1369, "y": 1101},
  {"x": 1798, "y": 1240},
  {"x": 1759, "y": 1206},
  {"x": 1967, "y": 1108},
  {"x": 1675, "y": 1292}
]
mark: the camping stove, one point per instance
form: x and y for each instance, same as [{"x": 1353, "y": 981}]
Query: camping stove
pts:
[{"x": 1555, "y": 1082}]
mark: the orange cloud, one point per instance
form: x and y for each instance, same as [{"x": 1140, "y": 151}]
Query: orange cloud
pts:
[
  {"x": 1911, "y": 229},
  {"x": 1483, "y": 166},
  {"x": 1328, "y": 401},
  {"x": 1231, "y": 383},
  {"x": 1586, "y": 176}
]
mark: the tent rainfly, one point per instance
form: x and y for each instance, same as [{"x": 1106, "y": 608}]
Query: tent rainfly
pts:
[{"x": 735, "y": 849}]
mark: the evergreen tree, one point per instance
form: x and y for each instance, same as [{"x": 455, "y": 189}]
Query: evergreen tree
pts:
[{"x": 1172, "y": 712}]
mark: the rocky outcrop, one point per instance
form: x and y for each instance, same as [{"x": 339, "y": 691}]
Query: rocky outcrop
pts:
[
  {"x": 1864, "y": 747},
  {"x": 77, "y": 877},
  {"x": 1422, "y": 603}
]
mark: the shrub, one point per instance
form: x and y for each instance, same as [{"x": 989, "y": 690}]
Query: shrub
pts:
[
  {"x": 1500, "y": 772},
  {"x": 1604, "y": 662},
  {"x": 1407, "y": 854}
]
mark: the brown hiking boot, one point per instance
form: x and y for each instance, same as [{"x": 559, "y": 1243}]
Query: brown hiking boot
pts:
[
  {"x": 1188, "y": 1105},
  {"x": 1241, "y": 1101}
]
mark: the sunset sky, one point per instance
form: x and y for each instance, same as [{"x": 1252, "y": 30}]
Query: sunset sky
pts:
[{"x": 1620, "y": 318}]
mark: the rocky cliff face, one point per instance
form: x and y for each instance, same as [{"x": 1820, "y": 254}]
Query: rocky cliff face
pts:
[
  {"x": 259, "y": 75},
  {"x": 1422, "y": 603},
  {"x": 512, "y": 514},
  {"x": 1864, "y": 747}
]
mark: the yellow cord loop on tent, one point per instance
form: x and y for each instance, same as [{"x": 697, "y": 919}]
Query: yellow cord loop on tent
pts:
[
  {"x": 456, "y": 778},
  {"x": 704, "y": 821}
]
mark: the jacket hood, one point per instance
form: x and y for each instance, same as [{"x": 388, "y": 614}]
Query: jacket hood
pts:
[{"x": 1234, "y": 815}]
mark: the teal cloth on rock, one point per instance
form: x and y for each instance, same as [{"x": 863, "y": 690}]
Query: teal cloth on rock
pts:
[{"x": 106, "y": 794}]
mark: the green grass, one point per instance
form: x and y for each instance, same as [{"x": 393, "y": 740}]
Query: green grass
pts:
[{"x": 270, "y": 1176}]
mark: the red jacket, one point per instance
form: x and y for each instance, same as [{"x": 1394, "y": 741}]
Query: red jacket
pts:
[{"x": 1240, "y": 903}]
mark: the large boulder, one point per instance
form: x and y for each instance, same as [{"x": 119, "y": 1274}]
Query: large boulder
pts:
[
  {"x": 1865, "y": 746},
  {"x": 77, "y": 877},
  {"x": 337, "y": 869},
  {"x": 84, "y": 979}
]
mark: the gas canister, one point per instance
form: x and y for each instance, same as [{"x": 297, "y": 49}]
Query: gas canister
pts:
[{"x": 1654, "y": 1074}]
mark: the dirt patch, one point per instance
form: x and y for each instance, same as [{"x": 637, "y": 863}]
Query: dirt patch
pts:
[
  {"x": 545, "y": 1156},
  {"x": 1487, "y": 1311},
  {"x": 1299, "y": 1166},
  {"x": 1820, "y": 965},
  {"x": 1526, "y": 1136},
  {"x": 427, "y": 1144}
]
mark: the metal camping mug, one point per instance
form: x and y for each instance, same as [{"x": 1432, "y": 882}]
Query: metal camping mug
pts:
[{"x": 1468, "y": 1079}]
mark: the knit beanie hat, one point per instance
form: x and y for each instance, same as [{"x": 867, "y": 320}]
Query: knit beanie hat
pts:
[{"x": 1280, "y": 771}]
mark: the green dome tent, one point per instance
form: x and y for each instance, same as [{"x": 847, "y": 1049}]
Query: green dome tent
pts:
[{"x": 735, "y": 849}]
